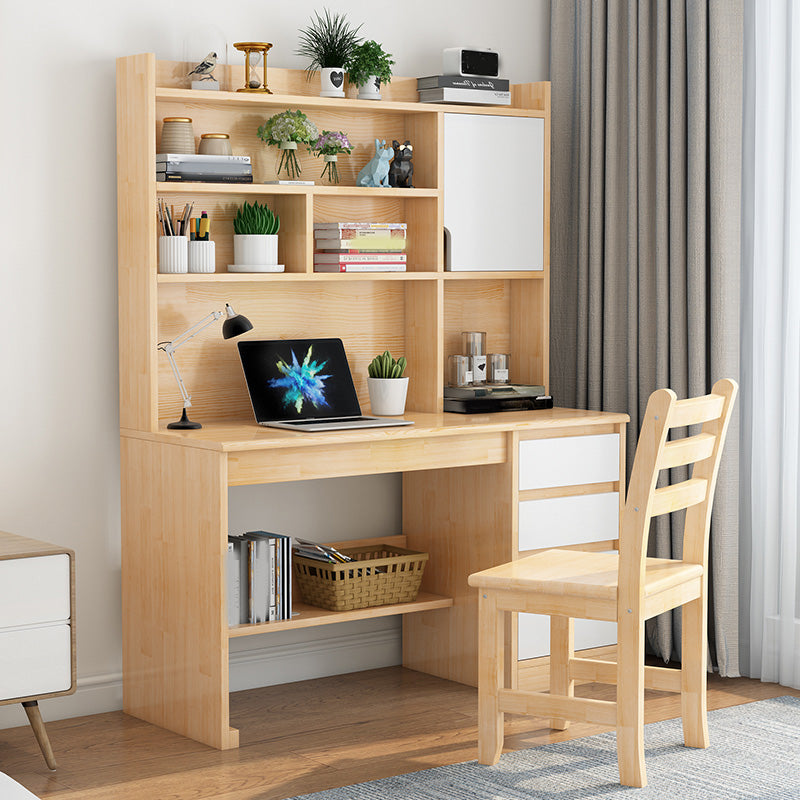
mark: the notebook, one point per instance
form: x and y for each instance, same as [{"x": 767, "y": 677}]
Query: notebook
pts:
[{"x": 304, "y": 385}]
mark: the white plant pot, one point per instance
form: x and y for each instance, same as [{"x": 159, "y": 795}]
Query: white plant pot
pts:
[
  {"x": 371, "y": 90},
  {"x": 255, "y": 253},
  {"x": 331, "y": 82},
  {"x": 387, "y": 396}
]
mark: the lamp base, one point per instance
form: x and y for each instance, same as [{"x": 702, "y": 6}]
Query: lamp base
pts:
[{"x": 184, "y": 424}]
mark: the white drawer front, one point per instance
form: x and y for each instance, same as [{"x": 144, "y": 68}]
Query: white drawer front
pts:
[
  {"x": 34, "y": 590},
  {"x": 35, "y": 661},
  {"x": 534, "y": 635},
  {"x": 558, "y": 521},
  {"x": 568, "y": 461}
]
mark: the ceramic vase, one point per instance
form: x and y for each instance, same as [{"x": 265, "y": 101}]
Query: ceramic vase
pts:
[
  {"x": 255, "y": 253},
  {"x": 371, "y": 90},
  {"x": 387, "y": 396},
  {"x": 331, "y": 82}
]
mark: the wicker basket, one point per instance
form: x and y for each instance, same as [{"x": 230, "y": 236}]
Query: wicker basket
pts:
[{"x": 383, "y": 575}]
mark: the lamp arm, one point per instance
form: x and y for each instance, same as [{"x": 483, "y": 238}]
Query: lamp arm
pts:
[{"x": 187, "y": 400}]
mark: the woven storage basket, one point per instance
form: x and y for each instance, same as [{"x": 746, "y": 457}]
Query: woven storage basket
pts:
[{"x": 378, "y": 575}]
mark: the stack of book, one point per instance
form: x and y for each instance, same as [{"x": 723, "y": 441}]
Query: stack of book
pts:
[
  {"x": 207, "y": 169},
  {"x": 469, "y": 90},
  {"x": 259, "y": 574},
  {"x": 360, "y": 247}
]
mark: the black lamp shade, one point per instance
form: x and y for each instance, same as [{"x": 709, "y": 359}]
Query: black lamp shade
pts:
[{"x": 235, "y": 324}]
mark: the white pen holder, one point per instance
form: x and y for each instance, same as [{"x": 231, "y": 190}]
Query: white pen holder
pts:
[
  {"x": 173, "y": 254},
  {"x": 201, "y": 256}
]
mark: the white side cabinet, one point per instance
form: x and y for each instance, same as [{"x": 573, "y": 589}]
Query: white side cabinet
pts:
[
  {"x": 37, "y": 627},
  {"x": 578, "y": 473},
  {"x": 493, "y": 192}
]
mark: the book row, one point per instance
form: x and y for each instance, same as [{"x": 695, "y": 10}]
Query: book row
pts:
[{"x": 360, "y": 247}]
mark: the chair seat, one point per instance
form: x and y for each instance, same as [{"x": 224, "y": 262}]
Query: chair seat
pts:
[{"x": 578, "y": 573}]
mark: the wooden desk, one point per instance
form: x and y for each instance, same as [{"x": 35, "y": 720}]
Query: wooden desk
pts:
[{"x": 461, "y": 497}]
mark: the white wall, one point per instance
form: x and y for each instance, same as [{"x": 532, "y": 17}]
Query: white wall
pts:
[{"x": 59, "y": 450}]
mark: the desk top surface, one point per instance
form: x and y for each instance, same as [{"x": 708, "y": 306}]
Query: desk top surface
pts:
[{"x": 242, "y": 435}]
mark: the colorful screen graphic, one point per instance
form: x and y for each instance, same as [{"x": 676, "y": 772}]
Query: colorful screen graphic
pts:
[{"x": 301, "y": 382}]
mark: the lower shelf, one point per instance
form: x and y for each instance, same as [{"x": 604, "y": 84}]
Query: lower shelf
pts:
[{"x": 311, "y": 616}]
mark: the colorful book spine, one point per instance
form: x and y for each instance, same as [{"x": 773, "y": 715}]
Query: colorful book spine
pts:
[
  {"x": 190, "y": 158},
  {"x": 469, "y": 96},
  {"x": 172, "y": 178},
  {"x": 355, "y": 258},
  {"x": 373, "y": 266},
  {"x": 463, "y": 82},
  {"x": 324, "y": 226}
]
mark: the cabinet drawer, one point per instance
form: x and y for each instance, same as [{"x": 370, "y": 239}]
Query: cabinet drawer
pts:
[
  {"x": 534, "y": 635},
  {"x": 568, "y": 461},
  {"x": 34, "y": 590},
  {"x": 558, "y": 521},
  {"x": 35, "y": 661}
]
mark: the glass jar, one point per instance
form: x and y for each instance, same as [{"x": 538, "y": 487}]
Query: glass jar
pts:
[{"x": 177, "y": 135}]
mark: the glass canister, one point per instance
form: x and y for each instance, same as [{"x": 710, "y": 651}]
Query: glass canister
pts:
[
  {"x": 474, "y": 345},
  {"x": 498, "y": 367},
  {"x": 177, "y": 135},
  {"x": 215, "y": 144},
  {"x": 459, "y": 373}
]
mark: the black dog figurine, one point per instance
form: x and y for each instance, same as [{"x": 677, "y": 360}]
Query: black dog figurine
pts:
[{"x": 402, "y": 170}]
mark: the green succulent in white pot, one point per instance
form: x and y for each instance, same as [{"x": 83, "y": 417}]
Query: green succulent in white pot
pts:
[
  {"x": 387, "y": 385},
  {"x": 255, "y": 239}
]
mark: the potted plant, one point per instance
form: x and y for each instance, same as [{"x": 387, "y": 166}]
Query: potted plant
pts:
[
  {"x": 369, "y": 66},
  {"x": 255, "y": 239},
  {"x": 387, "y": 386},
  {"x": 287, "y": 130},
  {"x": 329, "y": 145},
  {"x": 328, "y": 41}
]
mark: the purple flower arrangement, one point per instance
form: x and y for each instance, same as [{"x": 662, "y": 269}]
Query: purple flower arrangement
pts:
[{"x": 329, "y": 145}]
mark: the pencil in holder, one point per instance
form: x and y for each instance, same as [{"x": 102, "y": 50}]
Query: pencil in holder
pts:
[
  {"x": 201, "y": 256},
  {"x": 173, "y": 254}
]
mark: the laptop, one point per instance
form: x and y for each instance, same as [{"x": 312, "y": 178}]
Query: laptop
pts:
[{"x": 304, "y": 385}]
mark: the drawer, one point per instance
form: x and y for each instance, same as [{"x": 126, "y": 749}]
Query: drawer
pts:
[
  {"x": 35, "y": 661},
  {"x": 34, "y": 590},
  {"x": 568, "y": 461},
  {"x": 534, "y": 635},
  {"x": 558, "y": 521}
]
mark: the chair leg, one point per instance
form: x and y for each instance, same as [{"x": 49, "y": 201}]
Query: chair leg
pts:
[
  {"x": 490, "y": 678},
  {"x": 693, "y": 674},
  {"x": 562, "y": 649},
  {"x": 37, "y": 723},
  {"x": 630, "y": 701}
]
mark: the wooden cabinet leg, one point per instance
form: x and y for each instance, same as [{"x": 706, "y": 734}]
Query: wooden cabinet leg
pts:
[
  {"x": 35, "y": 718},
  {"x": 490, "y": 678}
]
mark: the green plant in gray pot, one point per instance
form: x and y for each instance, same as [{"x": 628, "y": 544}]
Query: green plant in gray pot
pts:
[
  {"x": 387, "y": 385},
  {"x": 368, "y": 67},
  {"x": 255, "y": 239}
]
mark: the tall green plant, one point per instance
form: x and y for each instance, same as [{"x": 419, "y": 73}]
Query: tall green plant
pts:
[
  {"x": 256, "y": 219},
  {"x": 327, "y": 41}
]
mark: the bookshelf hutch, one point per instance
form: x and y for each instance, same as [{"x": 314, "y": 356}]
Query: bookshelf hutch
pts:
[{"x": 460, "y": 488}]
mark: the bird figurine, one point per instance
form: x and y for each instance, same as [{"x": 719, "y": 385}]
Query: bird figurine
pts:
[{"x": 204, "y": 69}]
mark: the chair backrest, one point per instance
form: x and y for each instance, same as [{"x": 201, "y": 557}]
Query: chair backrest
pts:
[{"x": 654, "y": 453}]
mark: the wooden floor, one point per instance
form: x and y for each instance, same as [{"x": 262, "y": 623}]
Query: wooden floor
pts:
[{"x": 298, "y": 738}]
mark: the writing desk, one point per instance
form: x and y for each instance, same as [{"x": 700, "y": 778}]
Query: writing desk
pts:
[{"x": 465, "y": 478}]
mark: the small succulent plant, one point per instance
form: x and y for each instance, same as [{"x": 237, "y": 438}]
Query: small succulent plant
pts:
[
  {"x": 256, "y": 219},
  {"x": 384, "y": 366}
]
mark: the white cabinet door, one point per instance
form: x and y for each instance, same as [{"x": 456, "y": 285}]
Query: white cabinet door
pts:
[{"x": 494, "y": 192}]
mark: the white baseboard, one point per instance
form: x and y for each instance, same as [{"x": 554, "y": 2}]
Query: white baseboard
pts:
[{"x": 265, "y": 666}]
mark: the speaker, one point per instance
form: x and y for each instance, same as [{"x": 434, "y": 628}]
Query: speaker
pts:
[{"x": 464, "y": 61}]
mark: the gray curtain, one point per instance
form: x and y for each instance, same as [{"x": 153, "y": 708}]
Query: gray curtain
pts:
[{"x": 646, "y": 166}]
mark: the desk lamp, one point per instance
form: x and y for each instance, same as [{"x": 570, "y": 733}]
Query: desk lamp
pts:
[{"x": 234, "y": 325}]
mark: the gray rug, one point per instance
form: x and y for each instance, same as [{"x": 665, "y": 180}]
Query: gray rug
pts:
[{"x": 754, "y": 754}]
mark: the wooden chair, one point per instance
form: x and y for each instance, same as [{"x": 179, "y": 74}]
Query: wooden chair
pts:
[{"x": 626, "y": 587}]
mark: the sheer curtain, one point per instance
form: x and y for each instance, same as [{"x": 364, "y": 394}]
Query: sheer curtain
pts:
[{"x": 770, "y": 475}]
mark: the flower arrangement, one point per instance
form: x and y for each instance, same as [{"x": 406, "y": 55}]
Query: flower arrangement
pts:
[
  {"x": 329, "y": 145},
  {"x": 287, "y": 130}
]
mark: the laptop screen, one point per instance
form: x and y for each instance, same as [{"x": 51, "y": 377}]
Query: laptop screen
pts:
[{"x": 296, "y": 379}]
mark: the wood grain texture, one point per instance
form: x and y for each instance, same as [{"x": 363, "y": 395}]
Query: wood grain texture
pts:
[{"x": 175, "y": 637}]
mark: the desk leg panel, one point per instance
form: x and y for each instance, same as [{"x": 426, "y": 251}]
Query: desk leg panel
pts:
[
  {"x": 175, "y": 644},
  {"x": 463, "y": 518}
]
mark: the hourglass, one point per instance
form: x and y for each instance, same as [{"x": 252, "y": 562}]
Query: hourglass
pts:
[{"x": 255, "y": 53}]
